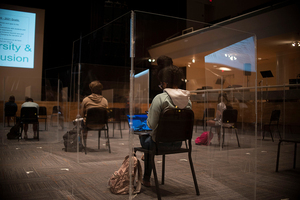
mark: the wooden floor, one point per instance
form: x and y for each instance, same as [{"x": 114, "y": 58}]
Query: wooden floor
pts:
[{"x": 42, "y": 170}]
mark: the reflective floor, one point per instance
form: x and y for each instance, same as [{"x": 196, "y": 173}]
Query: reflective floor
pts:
[{"x": 42, "y": 170}]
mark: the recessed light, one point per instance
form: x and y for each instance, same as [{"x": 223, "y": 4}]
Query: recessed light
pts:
[{"x": 224, "y": 69}]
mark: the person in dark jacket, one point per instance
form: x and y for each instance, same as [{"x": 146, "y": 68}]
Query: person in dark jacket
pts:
[{"x": 10, "y": 109}]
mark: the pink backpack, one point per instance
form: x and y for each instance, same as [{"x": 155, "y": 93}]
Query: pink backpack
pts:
[{"x": 204, "y": 138}]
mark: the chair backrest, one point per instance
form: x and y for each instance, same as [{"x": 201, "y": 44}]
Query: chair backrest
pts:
[
  {"x": 175, "y": 125},
  {"x": 115, "y": 113},
  {"x": 29, "y": 114},
  {"x": 275, "y": 116},
  {"x": 208, "y": 113},
  {"x": 42, "y": 110},
  {"x": 230, "y": 116},
  {"x": 96, "y": 116},
  {"x": 56, "y": 109}
]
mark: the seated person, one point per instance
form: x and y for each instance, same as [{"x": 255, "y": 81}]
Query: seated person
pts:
[
  {"x": 94, "y": 100},
  {"x": 29, "y": 103},
  {"x": 222, "y": 105},
  {"x": 10, "y": 109},
  {"x": 172, "y": 97}
]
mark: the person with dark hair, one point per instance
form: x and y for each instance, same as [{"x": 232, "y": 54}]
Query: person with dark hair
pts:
[
  {"x": 10, "y": 108},
  {"x": 172, "y": 97},
  {"x": 162, "y": 62},
  {"x": 94, "y": 100},
  {"x": 29, "y": 103}
]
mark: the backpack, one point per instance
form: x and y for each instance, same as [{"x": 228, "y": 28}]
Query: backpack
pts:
[
  {"x": 70, "y": 141},
  {"x": 119, "y": 181},
  {"x": 14, "y": 132},
  {"x": 203, "y": 138}
]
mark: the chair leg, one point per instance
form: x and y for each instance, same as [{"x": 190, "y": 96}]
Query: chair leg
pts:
[
  {"x": 223, "y": 137},
  {"x": 155, "y": 177},
  {"x": 99, "y": 135},
  {"x": 194, "y": 174},
  {"x": 279, "y": 133},
  {"x": 108, "y": 143},
  {"x": 38, "y": 132},
  {"x": 271, "y": 134},
  {"x": 84, "y": 142},
  {"x": 120, "y": 129},
  {"x": 163, "y": 169},
  {"x": 278, "y": 153},
  {"x": 113, "y": 129},
  {"x": 295, "y": 155},
  {"x": 237, "y": 137}
]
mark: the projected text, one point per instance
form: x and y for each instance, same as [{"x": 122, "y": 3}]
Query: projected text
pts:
[{"x": 17, "y": 36}]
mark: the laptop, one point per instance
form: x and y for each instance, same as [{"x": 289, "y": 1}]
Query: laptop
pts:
[{"x": 139, "y": 124}]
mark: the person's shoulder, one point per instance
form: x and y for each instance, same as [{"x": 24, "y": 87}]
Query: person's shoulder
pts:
[
  {"x": 85, "y": 99},
  {"x": 104, "y": 99},
  {"x": 162, "y": 95}
]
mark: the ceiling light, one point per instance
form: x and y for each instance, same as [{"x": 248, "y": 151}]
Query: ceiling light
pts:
[
  {"x": 296, "y": 43},
  {"x": 230, "y": 56},
  {"x": 224, "y": 69},
  {"x": 193, "y": 61}
]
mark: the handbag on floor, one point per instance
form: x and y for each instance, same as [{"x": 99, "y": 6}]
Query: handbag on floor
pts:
[{"x": 204, "y": 138}]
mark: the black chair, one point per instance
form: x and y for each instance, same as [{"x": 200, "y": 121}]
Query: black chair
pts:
[
  {"x": 174, "y": 125},
  {"x": 10, "y": 111},
  {"x": 56, "y": 112},
  {"x": 229, "y": 119},
  {"x": 29, "y": 115},
  {"x": 43, "y": 115},
  {"x": 209, "y": 113},
  {"x": 114, "y": 115},
  {"x": 274, "y": 121},
  {"x": 94, "y": 119}
]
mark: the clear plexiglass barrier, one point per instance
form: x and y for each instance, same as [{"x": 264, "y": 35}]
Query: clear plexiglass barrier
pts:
[
  {"x": 123, "y": 55},
  {"x": 98, "y": 109}
]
